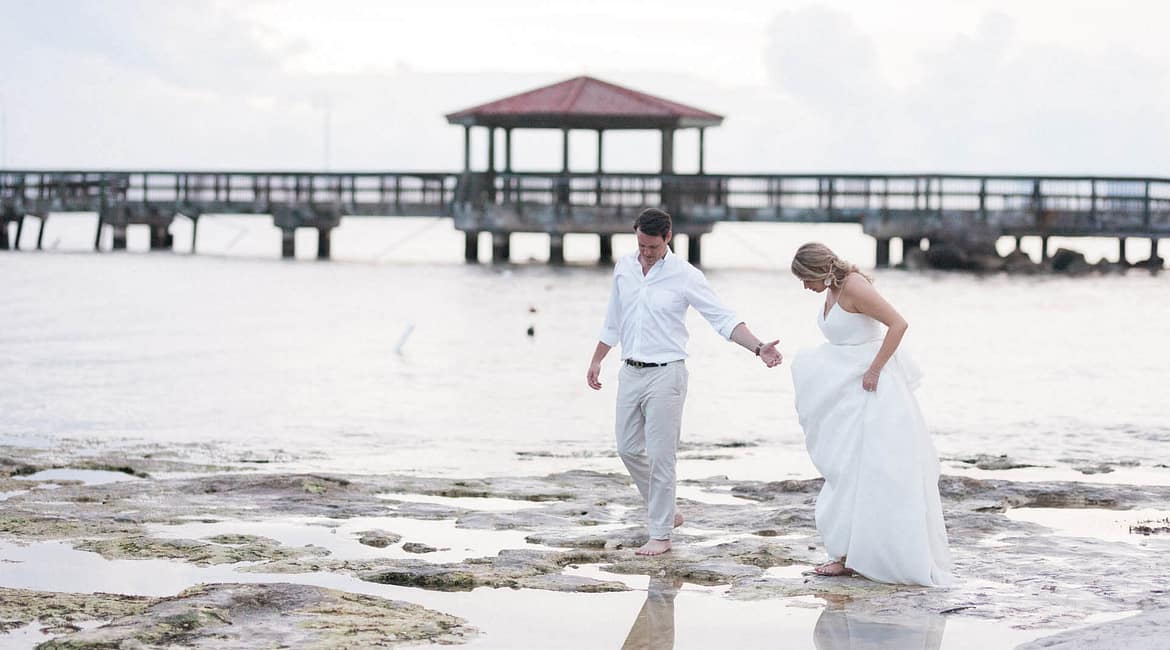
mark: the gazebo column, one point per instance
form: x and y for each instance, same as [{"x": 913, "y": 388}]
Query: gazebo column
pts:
[
  {"x": 563, "y": 182},
  {"x": 507, "y": 163},
  {"x": 467, "y": 148},
  {"x": 666, "y": 194},
  {"x": 491, "y": 152},
  {"x": 701, "y": 134},
  {"x": 668, "y": 151},
  {"x": 491, "y": 164},
  {"x": 600, "y": 149}
]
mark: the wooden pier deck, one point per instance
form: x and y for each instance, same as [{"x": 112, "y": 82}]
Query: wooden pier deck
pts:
[{"x": 912, "y": 207}]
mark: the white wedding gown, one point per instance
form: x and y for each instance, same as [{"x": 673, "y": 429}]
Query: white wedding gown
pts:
[{"x": 879, "y": 507}]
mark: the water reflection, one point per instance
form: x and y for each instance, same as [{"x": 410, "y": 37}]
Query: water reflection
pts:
[
  {"x": 654, "y": 627},
  {"x": 839, "y": 626},
  {"x": 839, "y": 629}
]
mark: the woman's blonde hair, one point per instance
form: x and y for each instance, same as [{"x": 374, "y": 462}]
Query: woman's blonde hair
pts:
[{"x": 818, "y": 263}]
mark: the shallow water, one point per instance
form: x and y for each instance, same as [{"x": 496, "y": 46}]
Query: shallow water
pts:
[
  {"x": 696, "y": 617},
  {"x": 240, "y": 356}
]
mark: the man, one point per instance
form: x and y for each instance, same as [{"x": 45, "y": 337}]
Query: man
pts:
[{"x": 647, "y": 315}]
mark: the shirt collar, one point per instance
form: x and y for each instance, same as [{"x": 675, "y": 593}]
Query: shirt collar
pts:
[{"x": 668, "y": 255}]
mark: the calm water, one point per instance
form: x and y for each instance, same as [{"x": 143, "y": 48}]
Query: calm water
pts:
[{"x": 235, "y": 353}]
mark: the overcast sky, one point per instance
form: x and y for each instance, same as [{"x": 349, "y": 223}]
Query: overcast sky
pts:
[{"x": 1043, "y": 86}]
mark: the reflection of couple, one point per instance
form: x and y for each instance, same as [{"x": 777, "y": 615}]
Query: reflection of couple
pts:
[
  {"x": 879, "y": 512},
  {"x": 836, "y": 629}
]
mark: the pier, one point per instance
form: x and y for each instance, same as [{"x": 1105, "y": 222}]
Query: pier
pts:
[
  {"x": 915, "y": 208},
  {"x": 912, "y": 208}
]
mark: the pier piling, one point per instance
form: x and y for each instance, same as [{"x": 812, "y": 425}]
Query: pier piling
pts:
[
  {"x": 605, "y": 244},
  {"x": 288, "y": 243},
  {"x": 323, "y": 242},
  {"x": 695, "y": 249},
  {"x": 471, "y": 247},
  {"x": 556, "y": 249},
  {"x": 882, "y": 256},
  {"x": 119, "y": 237},
  {"x": 161, "y": 237},
  {"x": 44, "y": 217},
  {"x": 501, "y": 247}
]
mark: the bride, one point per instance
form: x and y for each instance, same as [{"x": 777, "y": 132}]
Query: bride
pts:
[{"x": 879, "y": 512}]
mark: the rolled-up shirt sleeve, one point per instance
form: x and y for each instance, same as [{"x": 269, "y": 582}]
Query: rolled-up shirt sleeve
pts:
[
  {"x": 703, "y": 299},
  {"x": 611, "y": 328}
]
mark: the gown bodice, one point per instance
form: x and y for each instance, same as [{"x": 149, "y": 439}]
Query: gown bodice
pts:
[{"x": 842, "y": 327}]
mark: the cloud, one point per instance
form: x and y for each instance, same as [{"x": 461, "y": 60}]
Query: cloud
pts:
[
  {"x": 822, "y": 57},
  {"x": 990, "y": 101}
]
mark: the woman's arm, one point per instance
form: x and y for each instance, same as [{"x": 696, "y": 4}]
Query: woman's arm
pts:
[{"x": 861, "y": 297}]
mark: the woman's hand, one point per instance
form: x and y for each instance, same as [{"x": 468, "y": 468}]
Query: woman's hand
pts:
[{"x": 869, "y": 380}]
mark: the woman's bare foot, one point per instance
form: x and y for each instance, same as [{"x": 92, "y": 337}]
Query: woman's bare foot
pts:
[
  {"x": 678, "y": 520},
  {"x": 654, "y": 547},
  {"x": 834, "y": 569}
]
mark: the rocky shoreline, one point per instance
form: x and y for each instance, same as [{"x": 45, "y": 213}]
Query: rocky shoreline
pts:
[{"x": 749, "y": 539}]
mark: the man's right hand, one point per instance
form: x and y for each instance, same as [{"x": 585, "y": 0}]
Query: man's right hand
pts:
[{"x": 593, "y": 376}]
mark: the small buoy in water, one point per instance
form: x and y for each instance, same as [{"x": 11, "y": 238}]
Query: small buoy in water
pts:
[
  {"x": 531, "y": 330},
  {"x": 402, "y": 339}
]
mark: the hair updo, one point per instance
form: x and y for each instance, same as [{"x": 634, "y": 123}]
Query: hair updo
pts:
[{"x": 818, "y": 263}]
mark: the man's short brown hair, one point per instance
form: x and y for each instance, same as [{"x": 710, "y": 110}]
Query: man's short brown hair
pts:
[{"x": 653, "y": 222}]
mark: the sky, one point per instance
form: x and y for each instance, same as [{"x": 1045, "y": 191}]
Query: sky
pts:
[{"x": 972, "y": 86}]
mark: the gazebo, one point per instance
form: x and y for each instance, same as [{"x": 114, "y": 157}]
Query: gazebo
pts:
[{"x": 581, "y": 103}]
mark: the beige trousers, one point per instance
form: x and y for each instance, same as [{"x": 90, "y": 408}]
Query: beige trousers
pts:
[{"x": 648, "y": 426}]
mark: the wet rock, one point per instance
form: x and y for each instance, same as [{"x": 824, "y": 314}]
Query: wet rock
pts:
[
  {"x": 1153, "y": 263},
  {"x": 271, "y": 615},
  {"x": 1065, "y": 260},
  {"x": 774, "y": 490},
  {"x": 990, "y": 462},
  {"x": 715, "y": 572},
  {"x": 914, "y": 259},
  {"x": 1146, "y": 631},
  {"x": 1018, "y": 262},
  {"x": 416, "y": 547},
  {"x": 59, "y": 613},
  {"x": 378, "y": 538},
  {"x": 567, "y": 583},
  {"x": 1096, "y": 468},
  {"x": 25, "y": 525},
  {"x": 513, "y": 568},
  {"x": 519, "y": 520},
  {"x": 227, "y": 550},
  {"x": 435, "y": 576}
]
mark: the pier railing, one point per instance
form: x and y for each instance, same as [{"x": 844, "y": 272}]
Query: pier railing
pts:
[
  {"x": 1060, "y": 204},
  {"x": 195, "y": 193}
]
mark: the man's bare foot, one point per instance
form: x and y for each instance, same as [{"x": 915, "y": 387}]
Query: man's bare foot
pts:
[
  {"x": 678, "y": 520},
  {"x": 654, "y": 547},
  {"x": 834, "y": 569}
]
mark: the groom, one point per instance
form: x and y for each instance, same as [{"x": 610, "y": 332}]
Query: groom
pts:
[{"x": 647, "y": 315}]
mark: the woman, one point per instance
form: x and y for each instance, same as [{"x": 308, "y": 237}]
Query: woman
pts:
[{"x": 879, "y": 512}]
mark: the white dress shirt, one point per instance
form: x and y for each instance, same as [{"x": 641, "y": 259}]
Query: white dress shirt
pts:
[{"x": 647, "y": 313}]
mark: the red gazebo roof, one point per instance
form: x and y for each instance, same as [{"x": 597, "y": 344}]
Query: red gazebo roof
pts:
[{"x": 585, "y": 103}]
